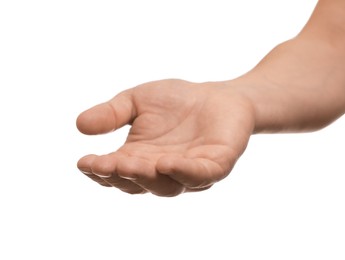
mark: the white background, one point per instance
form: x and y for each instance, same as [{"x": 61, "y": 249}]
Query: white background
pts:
[{"x": 283, "y": 200}]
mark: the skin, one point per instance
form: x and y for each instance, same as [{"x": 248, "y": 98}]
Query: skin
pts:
[{"x": 187, "y": 136}]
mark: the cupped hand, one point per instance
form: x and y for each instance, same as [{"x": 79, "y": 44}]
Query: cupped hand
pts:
[{"x": 184, "y": 136}]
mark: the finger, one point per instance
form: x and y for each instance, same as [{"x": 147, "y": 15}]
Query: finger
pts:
[
  {"x": 84, "y": 166},
  {"x": 108, "y": 116},
  {"x": 193, "y": 173},
  {"x": 105, "y": 168},
  {"x": 124, "y": 185},
  {"x": 198, "y": 189},
  {"x": 97, "y": 179},
  {"x": 143, "y": 173}
]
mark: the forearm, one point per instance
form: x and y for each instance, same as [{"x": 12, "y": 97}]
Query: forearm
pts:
[
  {"x": 327, "y": 23},
  {"x": 300, "y": 84}
]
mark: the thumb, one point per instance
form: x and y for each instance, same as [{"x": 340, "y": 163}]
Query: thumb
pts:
[{"x": 108, "y": 116}]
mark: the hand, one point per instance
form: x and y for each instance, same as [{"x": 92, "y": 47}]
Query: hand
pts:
[{"x": 184, "y": 136}]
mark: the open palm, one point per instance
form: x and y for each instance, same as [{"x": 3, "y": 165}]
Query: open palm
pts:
[{"x": 184, "y": 137}]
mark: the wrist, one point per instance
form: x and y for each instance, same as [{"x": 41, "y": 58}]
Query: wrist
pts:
[
  {"x": 255, "y": 90},
  {"x": 299, "y": 86}
]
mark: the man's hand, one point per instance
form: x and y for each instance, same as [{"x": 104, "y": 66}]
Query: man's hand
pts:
[
  {"x": 184, "y": 136},
  {"x": 187, "y": 136}
]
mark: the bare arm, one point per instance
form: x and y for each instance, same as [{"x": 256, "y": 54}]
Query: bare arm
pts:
[
  {"x": 187, "y": 136},
  {"x": 300, "y": 84}
]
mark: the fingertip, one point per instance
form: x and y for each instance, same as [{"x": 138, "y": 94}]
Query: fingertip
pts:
[
  {"x": 84, "y": 164},
  {"x": 166, "y": 164},
  {"x": 194, "y": 173},
  {"x": 80, "y": 122},
  {"x": 96, "y": 120},
  {"x": 104, "y": 166}
]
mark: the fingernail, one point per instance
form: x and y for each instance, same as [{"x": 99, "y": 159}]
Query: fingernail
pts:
[
  {"x": 102, "y": 175},
  {"x": 132, "y": 178},
  {"x": 85, "y": 171}
]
